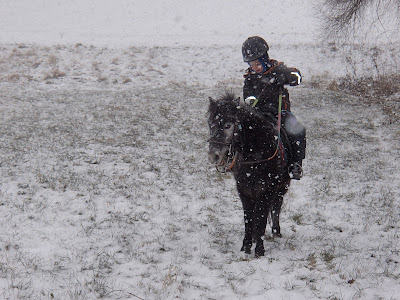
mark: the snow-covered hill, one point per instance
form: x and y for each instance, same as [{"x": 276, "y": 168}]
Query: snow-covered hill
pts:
[{"x": 154, "y": 23}]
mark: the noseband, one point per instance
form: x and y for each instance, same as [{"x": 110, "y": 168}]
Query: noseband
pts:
[{"x": 227, "y": 161}]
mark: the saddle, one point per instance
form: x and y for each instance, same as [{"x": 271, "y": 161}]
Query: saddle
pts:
[{"x": 284, "y": 137}]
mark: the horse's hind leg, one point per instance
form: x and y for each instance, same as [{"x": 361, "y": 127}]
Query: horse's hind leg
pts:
[{"x": 275, "y": 213}]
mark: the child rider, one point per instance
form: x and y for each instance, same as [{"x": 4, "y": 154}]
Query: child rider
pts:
[{"x": 264, "y": 81}]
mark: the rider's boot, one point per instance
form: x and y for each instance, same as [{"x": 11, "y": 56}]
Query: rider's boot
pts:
[{"x": 296, "y": 170}]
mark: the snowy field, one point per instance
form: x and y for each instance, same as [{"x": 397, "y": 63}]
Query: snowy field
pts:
[{"x": 106, "y": 190}]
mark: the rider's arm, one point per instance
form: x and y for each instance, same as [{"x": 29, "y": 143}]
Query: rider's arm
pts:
[
  {"x": 250, "y": 85},
  {"x": 285, "y": 75}
]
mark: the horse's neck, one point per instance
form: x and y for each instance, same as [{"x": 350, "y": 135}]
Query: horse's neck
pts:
[{"x": 258, "y": 138}]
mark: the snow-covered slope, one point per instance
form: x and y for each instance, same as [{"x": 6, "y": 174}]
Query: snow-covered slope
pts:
[{"x": 155, "y": 23}]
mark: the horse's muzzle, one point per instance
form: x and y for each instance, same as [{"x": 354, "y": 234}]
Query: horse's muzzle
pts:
[
  {"x": 218, "y": 156},
  {"x": 215, "y": 157},
  {"x": 218, "y": 153}
]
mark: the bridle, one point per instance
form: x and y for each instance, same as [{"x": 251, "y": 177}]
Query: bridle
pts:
[{"x": 228, "y": 160}]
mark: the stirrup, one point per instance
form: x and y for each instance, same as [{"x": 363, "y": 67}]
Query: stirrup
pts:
[{"x": 296, "y": 171}]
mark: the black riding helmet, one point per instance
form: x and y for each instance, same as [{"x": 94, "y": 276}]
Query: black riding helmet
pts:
[{"x": 253, "y": 48}]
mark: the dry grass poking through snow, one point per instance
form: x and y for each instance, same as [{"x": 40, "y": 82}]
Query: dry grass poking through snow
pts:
[{"x": 107, "y": 193}]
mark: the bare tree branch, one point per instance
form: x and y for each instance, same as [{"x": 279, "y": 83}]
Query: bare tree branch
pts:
[{"x": 341, "y": 18}]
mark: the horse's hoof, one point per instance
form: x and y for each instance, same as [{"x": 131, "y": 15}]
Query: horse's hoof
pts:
[
  {"x": 246, "y": 249},
  {"x": 276, "y": 233},
  {"x": 259, "y": 253}
]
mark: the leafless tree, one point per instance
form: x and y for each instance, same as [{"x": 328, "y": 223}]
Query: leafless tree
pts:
[{"x": 341, "y": 18}]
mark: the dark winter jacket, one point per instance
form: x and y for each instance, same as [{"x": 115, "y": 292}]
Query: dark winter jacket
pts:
[{"x": 267, "y": 86}]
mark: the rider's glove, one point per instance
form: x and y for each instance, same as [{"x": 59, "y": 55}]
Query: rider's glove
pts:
[
  {"x": 295, "y": 77},
  {"x": 251, "y": 100}
]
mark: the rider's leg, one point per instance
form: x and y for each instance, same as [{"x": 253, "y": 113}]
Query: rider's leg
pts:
[{"x": 297, "y": 137}]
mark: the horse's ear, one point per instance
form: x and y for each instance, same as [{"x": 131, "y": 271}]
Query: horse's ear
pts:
[
  {"x": 212, "y": 100},
  {"x": 236, "y": 100},
  {"x": 240, "y": 102}
]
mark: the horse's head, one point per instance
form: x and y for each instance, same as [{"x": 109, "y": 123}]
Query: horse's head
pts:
[
  {"x": 236, "y": 129},
  {"x": 222, "y": 122}
]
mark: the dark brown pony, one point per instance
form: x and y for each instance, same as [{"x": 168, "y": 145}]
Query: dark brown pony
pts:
[{"x": 247, "y": 143}]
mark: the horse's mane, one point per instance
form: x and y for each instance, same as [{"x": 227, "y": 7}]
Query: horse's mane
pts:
[
  {"x": 228, "y": 100},
  {"x": 228, "y": 96}
]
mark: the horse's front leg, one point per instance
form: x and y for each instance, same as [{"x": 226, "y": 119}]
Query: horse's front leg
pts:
[
  {"x": 248, "y": 210},
  {"x": 275, "y": 213},
  {"x": 260, "y": 222}
]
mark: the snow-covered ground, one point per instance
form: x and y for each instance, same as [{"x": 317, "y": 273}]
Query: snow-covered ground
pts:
[{"x": 105, "y": 187}]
